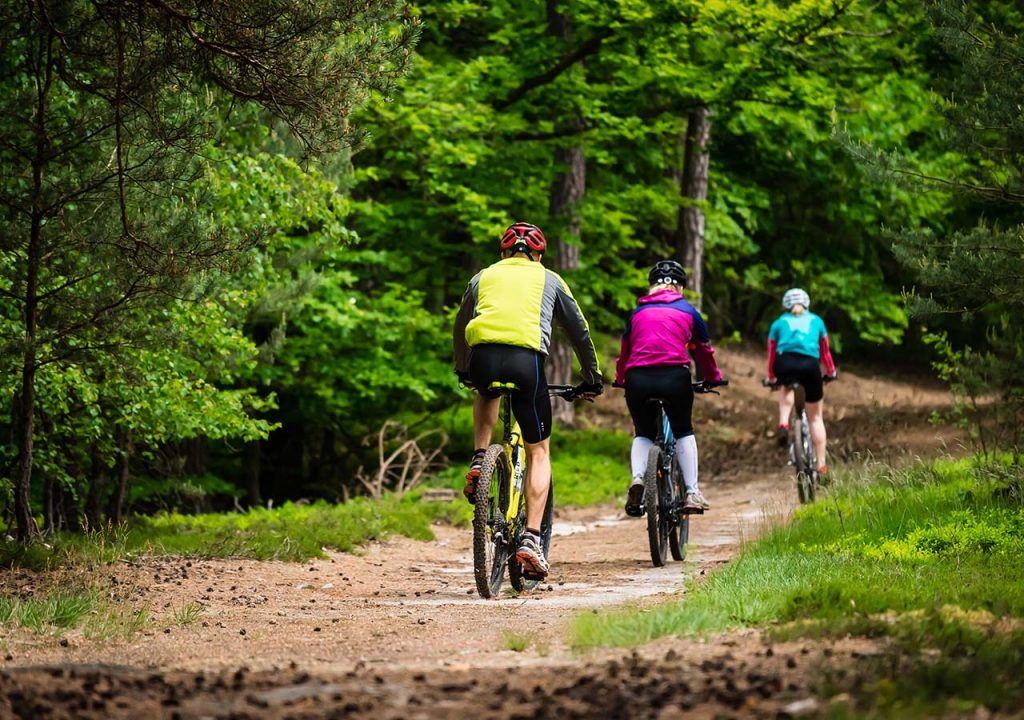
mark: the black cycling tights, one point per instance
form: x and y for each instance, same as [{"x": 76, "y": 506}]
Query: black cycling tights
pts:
[
  {"x": 531, "y": 405},
  {"x": 672, "y": 384}
]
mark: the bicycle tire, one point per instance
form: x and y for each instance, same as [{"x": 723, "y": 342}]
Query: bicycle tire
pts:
[
  {"x": 657, "y": 529},
  {"x": 490, "y": 553},
  {"x": 804, "y": 481},
  {"x": 679, "y": 532},
  {"x": 515, "y": 569}
]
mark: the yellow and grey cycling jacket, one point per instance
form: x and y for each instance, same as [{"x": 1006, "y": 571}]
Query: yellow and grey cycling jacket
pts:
[{"x": 514, "y": 302}]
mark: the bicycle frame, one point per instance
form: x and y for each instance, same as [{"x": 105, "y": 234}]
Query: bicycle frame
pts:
[
  {"x": 499, "y": 517},
  {"x": 512, "y": 439}
]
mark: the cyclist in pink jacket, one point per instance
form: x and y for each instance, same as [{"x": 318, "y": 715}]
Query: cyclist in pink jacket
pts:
[{"x": 654, "y": 361}]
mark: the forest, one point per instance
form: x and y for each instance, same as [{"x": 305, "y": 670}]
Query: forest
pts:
[{"x": 234, "y": 235}]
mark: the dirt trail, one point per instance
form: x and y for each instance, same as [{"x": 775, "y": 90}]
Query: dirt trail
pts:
[{"x": 398, "y": 630}]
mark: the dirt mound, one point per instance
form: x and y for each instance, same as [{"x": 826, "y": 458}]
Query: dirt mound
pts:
[
  {"x": 870, "y": 415},
  {"x": 731, "y": 677}
]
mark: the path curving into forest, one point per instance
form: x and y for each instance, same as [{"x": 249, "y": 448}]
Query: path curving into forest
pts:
[{"x": 398, "y": 630}]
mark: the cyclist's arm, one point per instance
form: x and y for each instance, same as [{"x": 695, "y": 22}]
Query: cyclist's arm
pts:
[
  {"x": 773, "y": 347},
  {"x": 466, "y": 312},
  {"x": 624, "y": 349},
  {"x": 826, "y": 355},
  {"x": 702, "y": 350},
  {"x": 570, "y": 317}
]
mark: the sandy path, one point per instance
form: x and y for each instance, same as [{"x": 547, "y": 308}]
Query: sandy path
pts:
[{"x": 405, "y": 603}]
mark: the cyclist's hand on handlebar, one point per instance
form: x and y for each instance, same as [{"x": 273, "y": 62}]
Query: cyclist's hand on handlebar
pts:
[
  {"x": 770, "y": 382},
  {"x": 464, "y": 379},
  {"x": 588, "y": 391},
  {"x": 708, "y": 386},
  {"x": 830, "y": 378}
]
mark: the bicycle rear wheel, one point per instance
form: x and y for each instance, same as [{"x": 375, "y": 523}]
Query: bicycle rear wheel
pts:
[
  {"x": 657, "y": 525},
  {"x": 515, "y": 568},
  {"x": 679, "y": 532},
  {"x": 490, "y": 530},
  {"x": 803, "y": 458}
]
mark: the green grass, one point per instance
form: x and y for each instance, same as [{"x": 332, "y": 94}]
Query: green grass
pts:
[
  {"x": 57, "y": 610},
  {"x": 515, "y": 641},
  {"x": 589, "y": 467},
  {"x": 905, "y": 553},
  {"x": 290, "y": 532},
  {"x": 188, "y": 613}
]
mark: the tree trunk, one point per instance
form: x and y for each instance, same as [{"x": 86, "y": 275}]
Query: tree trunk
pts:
[
  {"x": 96, "y": 489},
  {"x": 23, "y": 517},
  {"x": 567, "y": 190},
  {"x": 42, "y": 65},
  {"x": 693, "y": 187},
  {"x": 251, "y": 471},
  {"x": 124, "y": 461}
]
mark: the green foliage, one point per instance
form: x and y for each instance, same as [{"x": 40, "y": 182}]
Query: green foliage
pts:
[
  {"x": 589, "y": 466},
  {"x": 890, "y": 541},
  {"x": 970, "y": 266},
  {"x": 773, "y": 72},
  {"x": 291, "y": 532}
]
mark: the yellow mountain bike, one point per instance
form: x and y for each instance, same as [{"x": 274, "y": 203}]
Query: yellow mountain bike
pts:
[{"x": 499, "y": 516}]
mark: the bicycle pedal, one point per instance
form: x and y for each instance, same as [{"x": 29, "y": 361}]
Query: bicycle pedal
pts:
[
  {"x": 533, "y": 576},
  {"x": 692, "y": 511}
]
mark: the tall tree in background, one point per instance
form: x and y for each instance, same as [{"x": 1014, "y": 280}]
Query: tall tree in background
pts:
[
  {"x": 693, "y": 186},
  {"x": 568, "y": 188},
  {"x": 105, "y": 109}
]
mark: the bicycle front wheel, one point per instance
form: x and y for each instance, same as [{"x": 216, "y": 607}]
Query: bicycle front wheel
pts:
[
  {"x": 657, "y": 525},
  {"x": 491, "y": 544},
  {"x": 515, "y": 568}
]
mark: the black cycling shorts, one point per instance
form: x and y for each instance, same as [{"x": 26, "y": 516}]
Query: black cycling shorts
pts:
[
  {"x": 797, "y": 367},
  {"x": 531, "y": 404},
  {"x": 672, "y": 384}
]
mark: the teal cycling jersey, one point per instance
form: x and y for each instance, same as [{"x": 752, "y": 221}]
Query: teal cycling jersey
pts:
[{"x": 799, "y": 333}]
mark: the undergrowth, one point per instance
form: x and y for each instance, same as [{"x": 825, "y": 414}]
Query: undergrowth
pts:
[{"x": 290, "y": 532}]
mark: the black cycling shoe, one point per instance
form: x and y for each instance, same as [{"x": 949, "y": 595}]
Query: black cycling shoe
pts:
[
  {"x": 782, "y": 436},
  {"x": 635, "y": 500},
  {"x": 475, "y": 466}
]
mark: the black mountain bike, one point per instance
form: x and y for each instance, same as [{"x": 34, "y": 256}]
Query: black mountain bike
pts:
[
  {"x": 499, "y": 515},
  {"x": 668, "y": 527},
  {"x": 801, "y": 447}
]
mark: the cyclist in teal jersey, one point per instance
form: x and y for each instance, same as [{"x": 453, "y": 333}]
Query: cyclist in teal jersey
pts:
[{"x": 798, "y": 351}]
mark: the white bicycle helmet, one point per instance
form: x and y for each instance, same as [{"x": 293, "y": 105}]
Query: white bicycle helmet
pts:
[{"x": 794, "y": 297}]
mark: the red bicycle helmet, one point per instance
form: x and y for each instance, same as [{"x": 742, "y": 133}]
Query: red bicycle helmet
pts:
[{"x": 523, "y": 237}]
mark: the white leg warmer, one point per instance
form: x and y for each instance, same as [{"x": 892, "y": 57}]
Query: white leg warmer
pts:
[
  {"x": 686, "y": 456},
  {"x": 638, "y": 455}
]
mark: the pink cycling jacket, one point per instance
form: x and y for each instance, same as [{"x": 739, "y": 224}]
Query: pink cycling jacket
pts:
[{"x": 660, "y": 331}]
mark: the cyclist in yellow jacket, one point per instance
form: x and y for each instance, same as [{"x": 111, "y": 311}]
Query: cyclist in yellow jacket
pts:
[{"x": 503, "y": 333}]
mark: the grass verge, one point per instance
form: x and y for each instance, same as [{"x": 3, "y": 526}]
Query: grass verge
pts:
[
  {"x": 930, "y": 556},
  {"x": 290, "y": 532}
]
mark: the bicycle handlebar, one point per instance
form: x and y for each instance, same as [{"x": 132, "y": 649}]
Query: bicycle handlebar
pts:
[
  {"x": 703, "y": 387},
  {"x": 825, "y": 379},
  {"x": 566, "y": 392}
]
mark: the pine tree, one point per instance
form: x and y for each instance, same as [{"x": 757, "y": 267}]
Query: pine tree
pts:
[{"x": 976, "y": 271}]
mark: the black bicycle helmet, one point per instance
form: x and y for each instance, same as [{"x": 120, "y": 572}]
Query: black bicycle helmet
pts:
[
  {"x": 667, "y": 272},
  {"x": 523, "y": 237}
]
